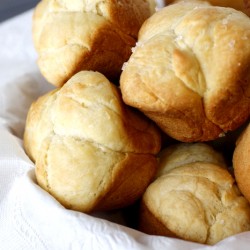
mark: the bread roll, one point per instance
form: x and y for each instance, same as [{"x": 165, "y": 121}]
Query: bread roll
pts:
[
  {"x": 241, "y": 162},
  {"x": 91, "y": 151},
  {"x": 70, "y": 36},
  {"x": 242, "y": 5},
  {"x": 184, "y": 153},
  {"x": 197, "y": 201},
  {"x": 193, "y": 82}
]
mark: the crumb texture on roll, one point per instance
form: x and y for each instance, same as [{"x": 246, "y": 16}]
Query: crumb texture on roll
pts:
[
  {"x": 71, "y": 36},
  {"x": 176, "y": 75},
  {"x": 196, "y": 200},
  {"x": 91, "y": 151},
  {"x": 241, "y": 162}
]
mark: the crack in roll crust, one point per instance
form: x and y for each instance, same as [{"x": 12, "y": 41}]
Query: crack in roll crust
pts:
[
  {"x": 190, "y": 70},
  {"x": 71, "y": 36},
  {"x": 91, "y": 151}
]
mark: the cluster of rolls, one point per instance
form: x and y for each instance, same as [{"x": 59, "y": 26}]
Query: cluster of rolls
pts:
[{"x": 128, "y": 77}]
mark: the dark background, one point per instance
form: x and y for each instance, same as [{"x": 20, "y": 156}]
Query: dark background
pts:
[{"x": 10, "y": 8}]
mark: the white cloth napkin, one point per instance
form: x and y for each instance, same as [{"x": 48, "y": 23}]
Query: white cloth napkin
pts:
[{"x": 30, "y": 218}]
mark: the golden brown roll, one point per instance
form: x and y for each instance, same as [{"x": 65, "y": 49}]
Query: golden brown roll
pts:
[
  {"x": 241, "y": 162},
  {"x": 242, "y": 5},
  {"x": 193, "y": 82},
  {"x": 70, "y": 36},
  {"x": 197, "y": 201},
  {"x": 184, "y": 153},
  {"x": 91, "y": 151}
]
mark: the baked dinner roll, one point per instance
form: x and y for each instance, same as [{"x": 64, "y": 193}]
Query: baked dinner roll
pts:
[
  {"x": 190, "y": 71},
  {"x": 70, "y": 36},
  {"x": 241, "y": 162},
  {"x": 242, "y": 5},
  {"x": 184, "y": 153},
  {"x": 198, "y": 202},
  {"x": 91, "y": 151}
]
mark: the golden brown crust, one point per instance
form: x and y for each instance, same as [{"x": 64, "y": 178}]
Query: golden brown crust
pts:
[
  {"x": 74, "y": 36},
  {"x": 91, "y": 151},
  {"x": 120, "y": 194},
  {"x": 242, "y": 5},
  {"x": 241, "y": 162},
  {"x": 176, "y": 76},
  {"x": 150, "y": 224}
]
